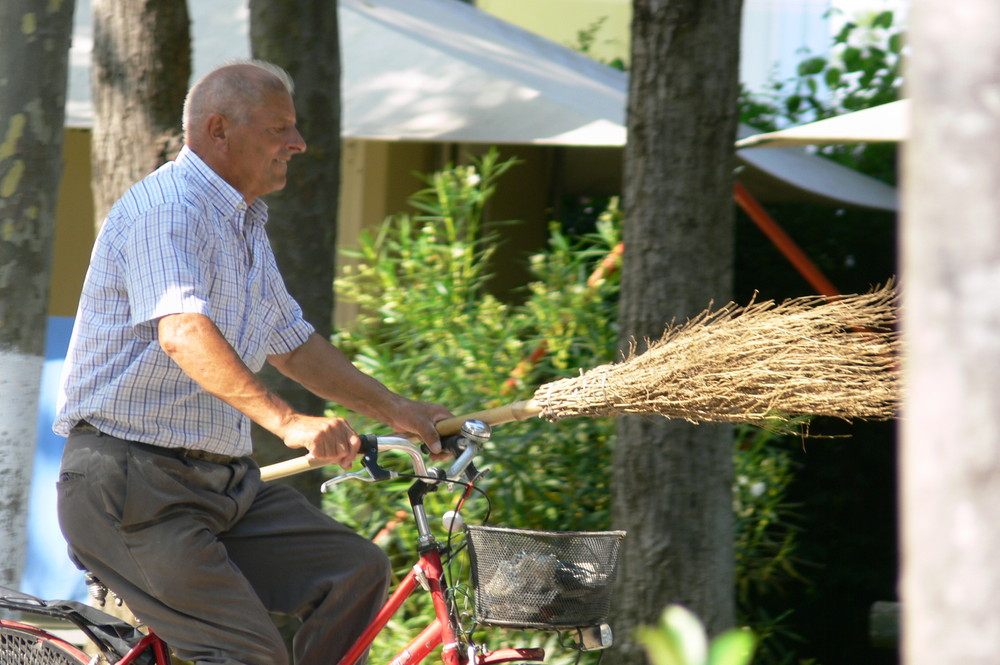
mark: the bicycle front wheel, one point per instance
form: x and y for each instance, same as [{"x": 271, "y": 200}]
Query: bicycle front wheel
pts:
[{"x": 21, "y": 644}]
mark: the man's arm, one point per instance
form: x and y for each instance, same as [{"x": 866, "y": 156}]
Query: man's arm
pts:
[
  {"x": 195, "y": 343},
  {"x": 326, "y": 371}
]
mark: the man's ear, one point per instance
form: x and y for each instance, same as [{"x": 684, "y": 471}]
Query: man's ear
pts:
[{"x": 218, "y": 130}]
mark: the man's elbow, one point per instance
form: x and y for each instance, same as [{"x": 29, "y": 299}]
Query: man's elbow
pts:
[
  {"x": 280, "y": 362},
  {"x": 287, "y": 363},
  {"x": 175, "y": 332}
]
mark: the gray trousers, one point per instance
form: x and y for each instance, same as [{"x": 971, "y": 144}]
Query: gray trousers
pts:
[{"x": 201, "y": 552}]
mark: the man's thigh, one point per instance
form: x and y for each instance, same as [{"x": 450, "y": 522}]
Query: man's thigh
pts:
[
  {"x": 294, "y": 554},
  {"x": 147, "y": 525}
]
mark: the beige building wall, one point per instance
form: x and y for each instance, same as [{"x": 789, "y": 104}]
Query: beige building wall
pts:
[
  {"x": 74, "y": 225},
  {"x": 563, "y": 20}
]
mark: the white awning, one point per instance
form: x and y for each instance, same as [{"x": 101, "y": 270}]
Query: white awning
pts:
[
  {"x": 423, "y": 70},
  {"x": 442, "y": 70},
  {"x": 446, "y": 71},
  {"x": 879, "y": 124}
]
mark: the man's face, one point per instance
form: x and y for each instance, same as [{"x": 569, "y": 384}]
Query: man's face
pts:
[{"x": 259, "y": 149}]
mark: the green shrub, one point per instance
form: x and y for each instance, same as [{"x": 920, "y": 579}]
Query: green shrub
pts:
[{"x": 429, "y": 329}]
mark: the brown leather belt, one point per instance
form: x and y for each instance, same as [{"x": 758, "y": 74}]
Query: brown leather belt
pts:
[{"x": 181, "y": 453}]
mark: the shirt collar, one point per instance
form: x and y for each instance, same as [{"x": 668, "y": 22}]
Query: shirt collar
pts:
[{"x": 226, "y": 199}]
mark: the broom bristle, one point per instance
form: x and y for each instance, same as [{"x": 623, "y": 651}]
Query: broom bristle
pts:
[{"x": 804, "y": 356}]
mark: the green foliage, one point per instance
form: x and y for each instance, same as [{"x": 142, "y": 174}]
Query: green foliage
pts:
[
  {"x": 767, "y": 538},
  {"x": 680, "y": 639},
  {"x": 429, "y": 329},
  {"x": 765, "y": 528},
  {"x": 586, "y": 38},
  {"x": 864, "y": 69}
]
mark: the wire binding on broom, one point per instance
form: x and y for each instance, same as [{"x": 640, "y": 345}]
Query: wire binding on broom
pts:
[{"x": 804, "y": 356}]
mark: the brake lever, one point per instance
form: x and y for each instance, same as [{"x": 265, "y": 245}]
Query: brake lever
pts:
[
  {"x": 372, "y": 471},
  {"x": 369, "y": 458},
  {"x": 363, "y": 475}
]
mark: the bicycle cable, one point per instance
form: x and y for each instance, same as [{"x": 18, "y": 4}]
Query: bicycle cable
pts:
[{"x": 458, "y": 596}]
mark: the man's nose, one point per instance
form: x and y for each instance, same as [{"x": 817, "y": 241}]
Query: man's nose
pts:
[{"x": 296, "y": 142}]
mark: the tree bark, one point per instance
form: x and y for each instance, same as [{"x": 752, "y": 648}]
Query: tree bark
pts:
[
  {"x": 34, "y": 57},
  {"x": 303, "y": 37},
  {"x": 671, "y": 480},
  {"x": 140, "y": 74},
  {"x": 950, "y": 448}
]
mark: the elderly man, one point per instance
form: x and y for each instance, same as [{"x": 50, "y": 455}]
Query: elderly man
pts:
[{"x": 182, "y": 304}]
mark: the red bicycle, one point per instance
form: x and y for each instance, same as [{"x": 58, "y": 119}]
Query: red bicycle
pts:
[{"x": 539, "y": 580}]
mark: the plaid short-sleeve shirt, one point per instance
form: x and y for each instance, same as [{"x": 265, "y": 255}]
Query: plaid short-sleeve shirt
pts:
[{"x": 182, "y": 240}]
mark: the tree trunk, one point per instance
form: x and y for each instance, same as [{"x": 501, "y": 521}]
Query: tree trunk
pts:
[
  {"x": 302, "y": 37},
  {"x": 671, "y": 480},
  {"x": 950, "y": 454},
  {"x": 34, "y": 56},
  {"x": 140, "y": 74}
]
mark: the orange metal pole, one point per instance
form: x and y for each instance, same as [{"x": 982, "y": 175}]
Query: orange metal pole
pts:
[{"x": 784, "y": 242}]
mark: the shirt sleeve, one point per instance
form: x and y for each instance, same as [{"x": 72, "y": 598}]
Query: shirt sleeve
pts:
[{"x": 167, "y": 258}]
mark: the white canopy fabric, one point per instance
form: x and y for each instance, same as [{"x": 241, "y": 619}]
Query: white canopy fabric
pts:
[
  {"x": 885, "y": 123},
  {"x": 442, "y": 70},
  {"x": 792, "y": 174},
  {"x": 424, "y": 70}
]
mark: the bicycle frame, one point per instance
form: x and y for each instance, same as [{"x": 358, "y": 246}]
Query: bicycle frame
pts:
[
  {"x": 150, "y": 641},
  {"x": 428, "y": 572}
]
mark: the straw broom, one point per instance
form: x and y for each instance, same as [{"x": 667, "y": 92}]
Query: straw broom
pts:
[{"x": 754, "y": 364}]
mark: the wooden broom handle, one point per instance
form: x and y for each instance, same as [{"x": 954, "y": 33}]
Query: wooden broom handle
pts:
[
  {"x": 521, "y": 410},
  {"x": 507, "y": 413}
]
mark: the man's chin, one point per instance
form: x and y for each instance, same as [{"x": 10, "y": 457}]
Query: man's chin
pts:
[{"x": 278, "y": 184}]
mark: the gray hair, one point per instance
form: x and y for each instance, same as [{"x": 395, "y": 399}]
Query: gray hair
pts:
[{"x": 234, "y": 89}]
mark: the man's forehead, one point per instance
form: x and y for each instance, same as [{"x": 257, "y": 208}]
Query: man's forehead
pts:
[{"x": 275, "y": 105}]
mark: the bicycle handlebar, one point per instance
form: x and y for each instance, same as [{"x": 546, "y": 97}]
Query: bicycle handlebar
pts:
[
  {"x": 462, "y": 449},
  {"x": 462, "y": 446},
  {"x": 521, "y": 410}
]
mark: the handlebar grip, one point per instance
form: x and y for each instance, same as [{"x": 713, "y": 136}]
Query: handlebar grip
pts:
[
  {"x": 449, "y": 444},
  {"x": 289, "y": 468},
  {"x": 369, "y": 443}
]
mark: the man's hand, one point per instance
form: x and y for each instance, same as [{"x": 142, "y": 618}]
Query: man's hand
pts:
[
  {"x": 328, "y": 439},
  {"x": 416, "y": 420}
]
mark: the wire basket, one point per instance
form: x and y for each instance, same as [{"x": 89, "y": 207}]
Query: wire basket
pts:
[{"x": 542, "y": 579}]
